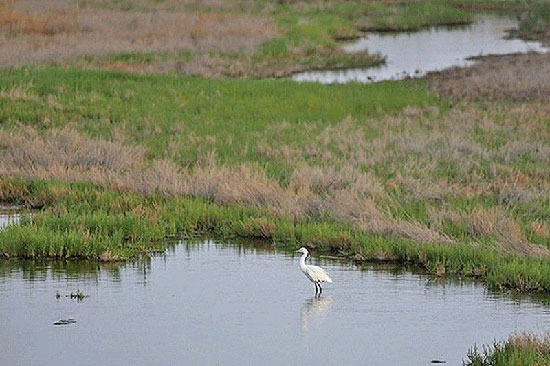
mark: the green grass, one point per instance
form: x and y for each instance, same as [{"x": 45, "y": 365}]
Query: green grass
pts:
[
  {"x": 414, "y": 16},
  {"x": 537, "y": 24},
  {"x": 83, "y": 220},
  {"x": 152, "y": 109},
  {"x": 523, "y": 350},
  {"x": 323, "y": 21},
  {"x": 147, "y": 57}
]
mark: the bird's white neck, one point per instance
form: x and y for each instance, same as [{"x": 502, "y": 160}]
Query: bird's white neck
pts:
[{"x": 303, "y": 262}]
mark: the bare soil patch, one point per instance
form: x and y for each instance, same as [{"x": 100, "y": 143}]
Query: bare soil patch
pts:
[{"x": 521, "y": 77}]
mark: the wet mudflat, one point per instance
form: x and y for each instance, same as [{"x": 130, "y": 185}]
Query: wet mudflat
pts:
[
  {"x": 210, "y": 303},
  {"x": 413, "y": 54}
]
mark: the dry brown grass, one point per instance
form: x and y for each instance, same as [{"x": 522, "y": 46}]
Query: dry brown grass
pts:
[
  {"x": 56, "y": 31},
  {"x": 206, "y": 38},
  {"x": 322, "y": 181},
  {"x": 13, "y": 21},
  {"x": 537, "y": 344},
  {"x": 18, "y": 93},
  {"x": 515, "y": 77},
  {"x": 295, "y": 61},
  {"x": 462, "y": 139},
  {"x": 346, "y": 195},
  {"x": 539, "y": 228},
  {"x": 414, "y": 146},
  {"x": 494, "y": 222}
]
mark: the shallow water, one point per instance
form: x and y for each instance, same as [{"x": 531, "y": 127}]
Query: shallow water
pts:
[
  {"x": 9, "y": 215},
  {"x": 232, "y": 305},
  {"x": 414, "y": 54}
]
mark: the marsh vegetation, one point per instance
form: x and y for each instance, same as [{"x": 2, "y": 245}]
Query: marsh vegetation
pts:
[
  {"x": 518, "y": 350},
  {"x": 386, "y": 171}
]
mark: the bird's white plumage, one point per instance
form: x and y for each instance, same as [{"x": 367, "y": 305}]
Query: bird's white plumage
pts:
[
  {"x": 314, "y": 273},
  {"x": 317, "y": 274}
]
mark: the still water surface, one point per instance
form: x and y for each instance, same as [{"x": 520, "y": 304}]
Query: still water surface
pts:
[
  {"x": 213, "y": 304},
  {"x": 9, "y": 215},
  {"x": 413, "y": 54}
]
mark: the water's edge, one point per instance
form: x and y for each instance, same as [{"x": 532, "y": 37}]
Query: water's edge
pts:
[{"x": 415, "y": 54}]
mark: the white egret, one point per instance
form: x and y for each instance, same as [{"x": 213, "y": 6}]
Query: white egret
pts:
[{"x": 314, "y": 273}]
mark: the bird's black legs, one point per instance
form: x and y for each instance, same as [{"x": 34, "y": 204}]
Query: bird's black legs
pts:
[{"x": 318, "y": 289}]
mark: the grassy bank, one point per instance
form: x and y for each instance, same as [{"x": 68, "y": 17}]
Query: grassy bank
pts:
[
  {"x": 384, "y": 171},
  {"x": 521, "y": 350},
  {"x": 83, "y": 220}
]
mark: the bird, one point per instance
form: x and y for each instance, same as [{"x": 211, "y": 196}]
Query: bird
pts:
[{"x": 313, "y": 273}]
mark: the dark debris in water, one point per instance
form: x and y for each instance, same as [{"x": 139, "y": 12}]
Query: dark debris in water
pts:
[
  {"x": 65, "y": 321},
  {"x": 78, "y": 295},
  {"x": 438, "y": 361}
]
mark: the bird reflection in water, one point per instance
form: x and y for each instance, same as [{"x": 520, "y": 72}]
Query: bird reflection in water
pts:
[{"x": 314, "y": 311}]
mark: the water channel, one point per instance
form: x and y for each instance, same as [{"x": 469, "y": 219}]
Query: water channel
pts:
[
  {"x": 413, "y": 54},
  {"x": 215, "y": 304}
]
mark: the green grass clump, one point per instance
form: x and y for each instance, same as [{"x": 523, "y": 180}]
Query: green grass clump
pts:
[
  {"x": 521, "y": 350},
  {"x": 413, "y": 16},
  {"x": 145, "y": 57},
  {"x": 536, "y": 25},
  {"x": 534, "y": 15}
]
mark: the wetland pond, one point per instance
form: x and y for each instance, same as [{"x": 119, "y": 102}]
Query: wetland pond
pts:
[
  {"x": 216, "y": 304},
  {"x": 413, "y": 54}
]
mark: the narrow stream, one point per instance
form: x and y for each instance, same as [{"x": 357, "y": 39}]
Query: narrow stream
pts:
[
  {"x": 215, "y": 304},
  {"x": 413, "y": 54}
]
